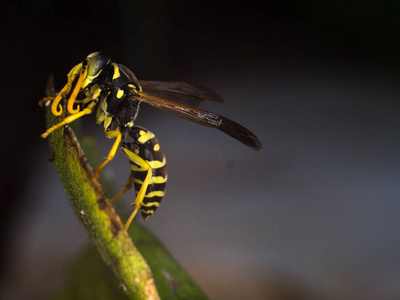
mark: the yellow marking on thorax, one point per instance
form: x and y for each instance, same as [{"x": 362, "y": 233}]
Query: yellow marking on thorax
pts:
[
  {"x": 116, "y": 72},
  {"x": 156, "y": 147},
  {"x": 120, "y": 93},
  {"x": 145, "y": 136}
]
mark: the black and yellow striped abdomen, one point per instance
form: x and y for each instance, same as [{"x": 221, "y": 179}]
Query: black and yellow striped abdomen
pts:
[{"x": 146, "y": 156}]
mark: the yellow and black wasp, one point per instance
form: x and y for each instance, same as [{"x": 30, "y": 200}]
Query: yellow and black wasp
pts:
[{"x": 114, "y": 92}]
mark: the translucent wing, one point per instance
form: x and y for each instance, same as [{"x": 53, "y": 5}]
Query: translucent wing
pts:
[
  {"x": 181, "y": 92},
  {"x": 200, "y": 116}
]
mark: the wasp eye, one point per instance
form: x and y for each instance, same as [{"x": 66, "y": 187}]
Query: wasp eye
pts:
[{"x": 96, "y": 63}]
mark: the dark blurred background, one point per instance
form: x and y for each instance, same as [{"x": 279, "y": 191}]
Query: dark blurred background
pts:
[{"x": 313, "y": 215}]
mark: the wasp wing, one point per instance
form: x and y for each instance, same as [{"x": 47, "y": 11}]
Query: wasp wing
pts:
[
  {"x": 202, "y": 117},
  {"x": 189, "y": 94}
]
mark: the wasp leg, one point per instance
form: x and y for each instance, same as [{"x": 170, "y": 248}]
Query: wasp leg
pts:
[
  {"x": 45, "y": 99},
  {"x": 69, "y": 119},
  {"x": 136, "y": 159},
  {"x": 84, "y": 101},
  {"x": 75, "y": 92},
  {"x": 133, "y": 214},
  {"x": 110, "y": 134},
  {"x": 56, "y": 108},
  {"x": 128, "y": 186}
]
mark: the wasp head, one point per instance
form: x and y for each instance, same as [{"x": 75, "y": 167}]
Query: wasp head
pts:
[{"x": 94, "y": 65}]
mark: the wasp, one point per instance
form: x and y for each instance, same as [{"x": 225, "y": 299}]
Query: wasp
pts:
[{"x": 112, "y": 91}]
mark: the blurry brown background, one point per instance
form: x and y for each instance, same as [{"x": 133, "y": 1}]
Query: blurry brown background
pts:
[{"x": 313, "y": 215}]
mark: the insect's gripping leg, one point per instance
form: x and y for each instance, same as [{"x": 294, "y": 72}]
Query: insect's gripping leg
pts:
[
  {"x": 68, "y": 120},
  {"x": 56, "y": 108},
  {"x": 75, "y": 92},
  {"x": 45, "y": 99},
  {"x": 110, "y": 134},
  {"x": 136, "y": 159},
  {"x": 128, "y": 186}
]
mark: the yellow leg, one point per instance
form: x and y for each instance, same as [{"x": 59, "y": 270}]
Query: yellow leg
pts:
[
  {"x": 45, "y": 99},
  {"x": 84, "y": 101},
  {"x": 133, "y": 214},
  {"x": 110, "y": 134},
  {"x": 128, "y": 186},
  {"x": 75, "y": 92},
  {"x": 68, "y": 120},
  {"x": 142, "y": 192},
  {"x": 56, "y": 108}
]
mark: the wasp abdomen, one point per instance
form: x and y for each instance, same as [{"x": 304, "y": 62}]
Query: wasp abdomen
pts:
[{"x": 145, "y": 155}]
